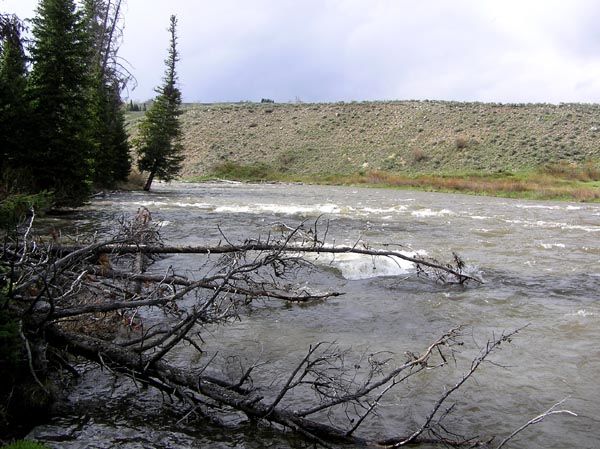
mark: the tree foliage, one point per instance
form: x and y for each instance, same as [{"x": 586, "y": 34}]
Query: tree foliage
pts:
[
  {"x": 59, "y": 89},
  {"x": 14, "y": 113},
  {"x": 63, "y": 124},
  {"x": 21, "y": 399},
  {"x": 159, "y": 140},
  {"x": 112, "y": 162}
]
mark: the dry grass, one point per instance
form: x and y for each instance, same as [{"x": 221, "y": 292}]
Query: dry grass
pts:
[
  {"x": 538, "y": 187},
  {"x": 135, "y": 181},
  {"x": 587, "y": 171},
  {"x": 458, "y": 184}
]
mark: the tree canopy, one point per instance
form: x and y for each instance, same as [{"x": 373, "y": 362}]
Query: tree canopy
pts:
[
  {"x": 112, "y": 161},
  {"x": 59, "y": 88},
  {"x": 13, "y": 106},
  {"x": 62, "y": 120}
]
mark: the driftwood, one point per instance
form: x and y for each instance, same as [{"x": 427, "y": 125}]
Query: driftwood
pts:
[
  {"x": 449, "y": 272},
  {"x": 86, "y": 302}
]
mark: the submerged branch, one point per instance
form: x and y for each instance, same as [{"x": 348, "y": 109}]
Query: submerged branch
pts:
[{"x": 172, "y": 379}]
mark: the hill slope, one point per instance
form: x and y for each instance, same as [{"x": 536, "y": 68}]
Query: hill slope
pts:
[{"x": 407, "y": 136}]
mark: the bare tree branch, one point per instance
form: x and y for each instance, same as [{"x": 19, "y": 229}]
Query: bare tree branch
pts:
[
  {"x": 97, "y": 301},
  {"x": 551, "y": 411}
]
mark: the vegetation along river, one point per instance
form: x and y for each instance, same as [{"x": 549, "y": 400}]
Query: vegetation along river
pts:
[{"x": 540, "y": 263}]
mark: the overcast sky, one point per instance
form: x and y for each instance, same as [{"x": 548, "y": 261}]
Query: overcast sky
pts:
[{"x": 344, "y": 50}]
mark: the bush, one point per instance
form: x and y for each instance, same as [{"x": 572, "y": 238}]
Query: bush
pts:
[
  {"x": 236, "y": 171},
  {"x": 14, "y": 208},
  {"x": 419, "y": 155},
  {"x": 461, "y": 142},
  {"x": 22, "y": 401}
]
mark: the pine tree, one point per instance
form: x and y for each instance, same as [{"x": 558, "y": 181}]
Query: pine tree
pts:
[
  {"x": 112, "y": 162},
  {"x": 159, "y": 140},
  {"x": 59, "y": 91},
  {"x": 13, "y": 105}
]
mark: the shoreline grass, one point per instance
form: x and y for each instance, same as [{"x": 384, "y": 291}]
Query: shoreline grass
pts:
[{"x": 565, "y": 182}]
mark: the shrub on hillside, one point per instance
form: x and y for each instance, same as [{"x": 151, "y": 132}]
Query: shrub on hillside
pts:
[
  {"x": 419, "y": 155},
  {"x": 461, "y": 142}
]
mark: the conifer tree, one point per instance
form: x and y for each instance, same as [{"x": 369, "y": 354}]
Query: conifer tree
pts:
[
  {"x": 112, "y": 162},
  {"x": 159, "y": 140},
  {"x": 13, "y": 104},
  {"x": 59, "y": 91}
]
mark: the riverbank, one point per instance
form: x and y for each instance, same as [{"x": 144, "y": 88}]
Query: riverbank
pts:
[
  {"x": 567, "y": 182},
  {"x": 537, "y": 151}
]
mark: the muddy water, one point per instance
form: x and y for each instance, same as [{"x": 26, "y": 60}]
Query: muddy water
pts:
[{"x": 540, "y": 263}]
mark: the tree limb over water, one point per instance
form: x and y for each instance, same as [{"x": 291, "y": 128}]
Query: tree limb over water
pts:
[
  {"x": 97, "y": 301},
  {"x": 293, "y": 240}
]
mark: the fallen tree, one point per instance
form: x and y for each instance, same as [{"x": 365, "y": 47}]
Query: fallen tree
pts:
[{"x": 97, "y": 301}]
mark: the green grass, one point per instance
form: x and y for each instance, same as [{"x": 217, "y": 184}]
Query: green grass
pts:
[
  {"x": 572, "y": 183},
  {"x": 254, "y": 172}
]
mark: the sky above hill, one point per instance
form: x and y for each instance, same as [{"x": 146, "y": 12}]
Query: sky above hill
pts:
[{"x": 345, "y": 50}]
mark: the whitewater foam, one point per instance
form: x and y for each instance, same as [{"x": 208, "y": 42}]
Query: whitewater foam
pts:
[
  {"x": 552, "y": 245},
  {"x": 480, "y": 217},
  {"x": 423, "y": 213},
  {"x": 359, "y": 266},
  {"x": 550, "y": 224},
  {"x": 536, "y": 206},
  {"x": 387, "y": 210},
  {"x": 582, "y": 313},
  {"x": 362, "y": 266}
]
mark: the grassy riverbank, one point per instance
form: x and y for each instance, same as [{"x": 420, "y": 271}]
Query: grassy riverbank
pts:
[
  {"x": 532, "y": 151},
  {"x": 558, "y": 182}
]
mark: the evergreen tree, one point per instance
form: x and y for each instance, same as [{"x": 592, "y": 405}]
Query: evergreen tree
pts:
[
  {"x": 159, "y": 140},
  {"x": 59, "y": 91},
  {"x": 112, "y": 162},
  {"x": 13, "y": 105}
]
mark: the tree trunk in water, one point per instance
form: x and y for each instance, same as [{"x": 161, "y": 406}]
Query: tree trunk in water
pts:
[{"x": 149, "y": 181}]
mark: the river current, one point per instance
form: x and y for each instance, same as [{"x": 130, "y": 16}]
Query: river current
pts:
[{"x": 540, "y": 263}]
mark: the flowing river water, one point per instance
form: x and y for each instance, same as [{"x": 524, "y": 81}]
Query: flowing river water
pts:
[{"x": 540, "y": 263}]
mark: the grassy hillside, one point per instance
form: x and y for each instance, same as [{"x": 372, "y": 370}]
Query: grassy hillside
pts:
[{"x": 391, "y": 139}]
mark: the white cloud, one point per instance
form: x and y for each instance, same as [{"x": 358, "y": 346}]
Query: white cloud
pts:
[{"x": 328, "y": 50}]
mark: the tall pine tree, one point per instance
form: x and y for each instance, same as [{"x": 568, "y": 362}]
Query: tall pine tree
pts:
[
  {"x": 159, "y": 139},
  {"x": 112, "y": 162},
  {"x": 59, "y": 91},
  {"x": 14, "y": 113}
]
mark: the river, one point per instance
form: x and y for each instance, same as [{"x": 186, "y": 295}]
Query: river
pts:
[{"x": 540, "y": 263}]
